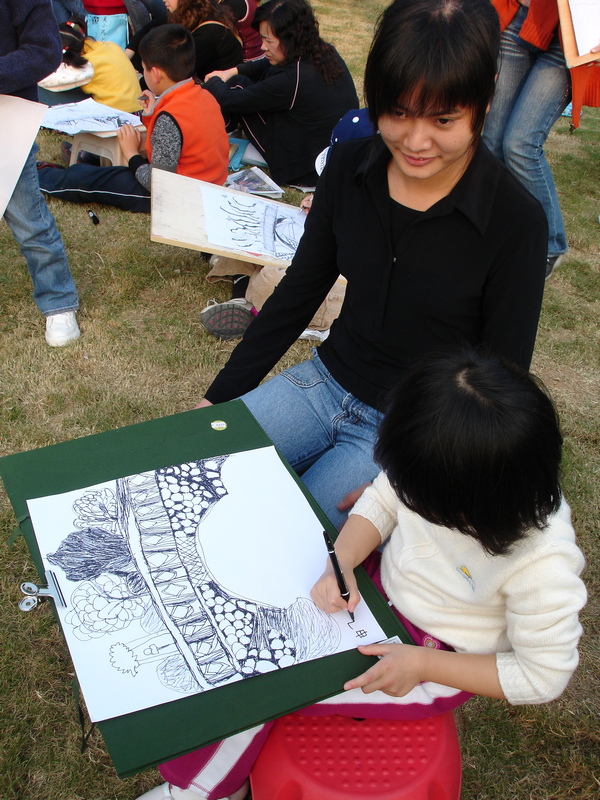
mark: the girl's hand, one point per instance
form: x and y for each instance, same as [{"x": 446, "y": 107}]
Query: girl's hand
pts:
[
  {"x": 147, "y": 101},
  {"x": 224, "y": 74},
  {"x": 326, "y": 593},
  {"x": 396, "y": 673},
  {"x": 129, "y": 140}
]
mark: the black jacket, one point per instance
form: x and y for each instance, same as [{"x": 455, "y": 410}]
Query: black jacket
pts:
[
  {"x": 470, "y": 269},
  {"x": 289, "y": 110}
]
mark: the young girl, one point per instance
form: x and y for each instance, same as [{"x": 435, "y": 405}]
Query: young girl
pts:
[
  {"x": 110, "y": 77},
  {"x": 440, "y": 246},
  {"x": 481, "y": 564}
]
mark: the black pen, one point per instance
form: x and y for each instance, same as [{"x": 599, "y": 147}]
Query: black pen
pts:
[{"x": 339, "y": 575}]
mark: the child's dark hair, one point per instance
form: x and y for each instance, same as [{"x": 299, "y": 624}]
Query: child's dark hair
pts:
[
  {"x": 295, "y": 25},
  {"x": 73, "y": 34},
  {"x": 171, "y": 48},
  {"x": 433, "y": 56},
  {"x": 473, "y": 443}
]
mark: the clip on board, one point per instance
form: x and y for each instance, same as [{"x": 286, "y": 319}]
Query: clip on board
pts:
[{"x": 128, "y": 456}]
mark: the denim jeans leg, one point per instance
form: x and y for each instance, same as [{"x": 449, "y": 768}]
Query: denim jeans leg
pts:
[
  {"x": 533, "y": 89},
  {"x": 33, "y": 226},
  {"x": 326, "y": 434}
]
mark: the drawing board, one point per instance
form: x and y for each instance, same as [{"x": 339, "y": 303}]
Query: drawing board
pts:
[
  {"x": 183, "y": 210},
  {"x": 16, "y": 140},
  {"x": 580, "y": 30},
  {"x": 144, "y": 738}
]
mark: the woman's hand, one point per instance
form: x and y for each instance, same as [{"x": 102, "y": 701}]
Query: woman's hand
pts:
[
  {"x": 224, "y": 74},
  {"x": 204, "y": 403},
  {"x": 129, "y": 140},
  {"x": 326, "y": 592}
]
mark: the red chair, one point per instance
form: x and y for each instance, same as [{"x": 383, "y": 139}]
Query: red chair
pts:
[{"x": 338, "y": 758}]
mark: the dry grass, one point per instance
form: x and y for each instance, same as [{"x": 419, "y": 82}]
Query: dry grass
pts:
[{"x": 143, "y": 354}]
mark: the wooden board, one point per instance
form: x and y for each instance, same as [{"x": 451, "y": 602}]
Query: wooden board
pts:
[
  {"x": 178, "y": 217},
  {"x": 569, "y": 43}
]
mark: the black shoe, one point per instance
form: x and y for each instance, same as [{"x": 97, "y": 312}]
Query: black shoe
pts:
[{"x": 552, "y": 262}]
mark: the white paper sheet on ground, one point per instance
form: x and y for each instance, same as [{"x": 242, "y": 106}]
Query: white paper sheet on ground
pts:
[
  {"x": 87, "y": 115},
  {"x": 185, "y": 579},
  {"x": 586, "y": 24},
  {"x": 21, "y": 120},
  {"x": 250, "y": 223}
]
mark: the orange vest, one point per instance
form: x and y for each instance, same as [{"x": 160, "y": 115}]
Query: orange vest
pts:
[{"x": 205, "y": 146}]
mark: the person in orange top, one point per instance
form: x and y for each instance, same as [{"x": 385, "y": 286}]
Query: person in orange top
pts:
[
  {"x": 185, "y": 133},
  {"x": 533, "y": 88}
]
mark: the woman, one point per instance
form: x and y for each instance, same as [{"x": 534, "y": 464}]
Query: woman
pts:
[
  {"x": 533, "y": 89},
  {"x": 289, "y": 102},
  {"x": 440, "y": 246},
  {"x": 213, "y": 31}
]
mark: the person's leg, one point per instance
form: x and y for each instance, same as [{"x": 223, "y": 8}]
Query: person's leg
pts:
[
  {"x": 325, "y": 433},
  {"x": 513, "y": 67},
  {"x": 34, "y": 229},
  {"x": 541, "y": 101},
  {"x": 84, "y": 183}
]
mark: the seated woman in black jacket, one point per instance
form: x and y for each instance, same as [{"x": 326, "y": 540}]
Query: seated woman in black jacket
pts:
[{"x": 289, "y": 102}]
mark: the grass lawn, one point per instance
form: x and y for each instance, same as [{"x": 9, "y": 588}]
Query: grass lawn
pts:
[{"x": 144, "y": 354}]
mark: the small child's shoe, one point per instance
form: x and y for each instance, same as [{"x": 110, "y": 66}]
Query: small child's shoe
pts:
[{"x": 167, "y": 791}]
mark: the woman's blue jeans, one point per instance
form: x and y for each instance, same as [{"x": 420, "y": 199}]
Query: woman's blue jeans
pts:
[
  {"x": 325, "y": 433},
  {"x": 33, "y": 226},
  {"x": 532, "y": 91}
]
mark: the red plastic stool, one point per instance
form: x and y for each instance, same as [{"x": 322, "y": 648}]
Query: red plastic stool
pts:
[{"x": 338, "y": 758}]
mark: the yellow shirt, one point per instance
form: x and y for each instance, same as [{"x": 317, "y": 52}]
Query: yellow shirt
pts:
[{"x": 115, "y": 82}]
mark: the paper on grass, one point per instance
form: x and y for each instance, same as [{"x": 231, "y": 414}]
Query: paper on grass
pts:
[
  {"x": 249, "y": 223},
  {"x": 21, "y": 120},
  {"x": 184, "y": 579},
  {"x": 87, "y": 115}
]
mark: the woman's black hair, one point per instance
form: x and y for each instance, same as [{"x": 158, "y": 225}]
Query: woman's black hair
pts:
[
  {"x": 433, "y": 56},
  {"x": 171, "y": 48},
  {"x": 295, "y": 25},
  {"x": 73, "y": 34},
  {"x": 473, "y": 443}
]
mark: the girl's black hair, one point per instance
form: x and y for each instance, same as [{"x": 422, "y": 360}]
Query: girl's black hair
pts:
[
  {"x": 433, "y": 56},
  {"x": 73, "y": 34},
  {"x": 295, "y": 25},
  {"x": 473, "y": 443}
]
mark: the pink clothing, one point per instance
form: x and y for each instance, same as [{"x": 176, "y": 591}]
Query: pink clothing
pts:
[{"x": 220, "y": 769}]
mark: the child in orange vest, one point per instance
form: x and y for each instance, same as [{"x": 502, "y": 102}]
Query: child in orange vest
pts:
[{"x": 185, "y": 133}]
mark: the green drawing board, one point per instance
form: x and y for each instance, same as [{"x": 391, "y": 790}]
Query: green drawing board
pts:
[{"x": 145, "y": 738}]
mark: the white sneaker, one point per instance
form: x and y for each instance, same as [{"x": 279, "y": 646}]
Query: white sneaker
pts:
[
  {"x": 62, "y": 329},
  {"x": 166, "y": 791}
]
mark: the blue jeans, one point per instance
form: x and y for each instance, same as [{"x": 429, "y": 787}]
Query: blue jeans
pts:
[
  {"x": 532, "y": 90},
  {"x": 65, "y": 9},
  {"x": 34, "y": 229},
  {"x": 325, "y": 433}
]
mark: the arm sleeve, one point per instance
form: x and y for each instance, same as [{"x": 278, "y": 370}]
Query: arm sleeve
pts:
[
  {"x": 543, "y": 599},
  {"x": 166, "y": 149},
  {"x": 38, "y": 53},
  {"x": 275, "y": 92},
  {"x": 292, "y": 305},
  {"x": 379, "y": 504},
  {"x": 513, "y": 296}
]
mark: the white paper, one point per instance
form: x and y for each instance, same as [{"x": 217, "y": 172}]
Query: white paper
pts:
[
  {"x": 249, "y": 223},
  {"x": 21, "y": 122},
  {"x": 87, "y": 115},
  {"x": 176, "y": 585},
  {"x": 585, "y": 15}
]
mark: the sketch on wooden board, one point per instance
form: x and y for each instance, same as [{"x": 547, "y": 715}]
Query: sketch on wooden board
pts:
[
  {"x": 145, "y": 596},
  {"x": 246, "y": 222}
]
